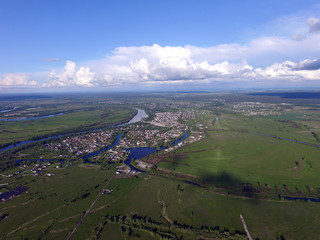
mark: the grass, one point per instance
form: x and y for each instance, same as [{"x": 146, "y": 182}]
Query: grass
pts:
[
  {"x": 196, "y": 206},
  {"x": 23, "y": 130},
  {"x": 227, "y": 156},
  {"x": 249, "y": 158},
  {"x": 276, "y": 126},
  {"x": 52, "y": 206},
  {"x": 48, "y": 201}
]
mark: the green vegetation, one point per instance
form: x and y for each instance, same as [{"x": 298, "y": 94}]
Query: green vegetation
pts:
[
  {"x": 249, "y": 158},
  {"x": 69, "y": 122},
  {"x": 79, "y": 114},
  {"x": 195, "y": 191},
  {"x": 52, "y": 206}
]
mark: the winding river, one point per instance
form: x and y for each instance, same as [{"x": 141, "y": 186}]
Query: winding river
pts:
[
  {"x": 92, "y": 154},
  {"x": 135, "y": 153},
  {"x": 6, "y": 110},
  {"x": 141, "y": 114},
  {"x": 30, "y": 118}
]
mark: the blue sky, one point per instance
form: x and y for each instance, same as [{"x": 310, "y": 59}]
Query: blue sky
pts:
[{"x": 54, "y": 45}]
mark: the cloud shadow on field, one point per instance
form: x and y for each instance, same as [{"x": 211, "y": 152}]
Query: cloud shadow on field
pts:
[
  {"x": 220, "y": 179},
  {"x": 175, "y": 160},
  {"x": 226, "y": 180}
]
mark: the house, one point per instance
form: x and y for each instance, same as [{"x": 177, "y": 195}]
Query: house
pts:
[
  {"x": 12, "y": 193},
  {"x": 107, "y": 191}
]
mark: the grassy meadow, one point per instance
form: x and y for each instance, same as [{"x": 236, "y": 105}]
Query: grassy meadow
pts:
[
  {"x": 249, "y": 158},
  {"x": 82, "y": 120},
  {"x": 231, "y": 171},
  {"x": 52, "y": 206}
]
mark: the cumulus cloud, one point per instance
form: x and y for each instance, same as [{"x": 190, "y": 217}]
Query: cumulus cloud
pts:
[
  {"x": 150, "y": 65},
  {"x": 270, "y": 58},
  {"x": 13, "y": 79},
  {"x": 303, "y": 70},
  {"x": 71, "y": 75},
  {"x": 308, "y": 65},
  {"x": 156, "y": 64},
  {"x": 314, "y": 24},
  {"x": 169, "y": 64}
]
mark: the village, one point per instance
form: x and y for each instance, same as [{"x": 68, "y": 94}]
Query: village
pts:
[
  {"x": 164, "y": 131},
  {"x": 160, "y": 132},
  {"x": 29, "y": 168},
  {"x": 259, "y": 109},
  {"x": 170, "y": 119},
  {"x": 85, "y": 143}
]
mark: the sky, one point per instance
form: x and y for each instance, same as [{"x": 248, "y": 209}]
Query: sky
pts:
[{"x": 158, "y": 45}]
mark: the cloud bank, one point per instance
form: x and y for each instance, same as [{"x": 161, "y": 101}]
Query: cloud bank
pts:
[
  {"x": 270, "y": 59},
  {"x": 16, "y": 79}
]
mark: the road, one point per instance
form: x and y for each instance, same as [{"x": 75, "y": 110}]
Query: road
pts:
[
  {"x": 245, "y": 227},
  {"x": 89, "y": 209}
]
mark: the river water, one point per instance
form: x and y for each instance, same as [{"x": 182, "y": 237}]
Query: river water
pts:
[
  {"x": 6, "y": 110},
  {"x": 302, "y": 199},
  {"x": 141, "y": 114},
  {"x": 92, "y": 154},
  {"x": 135, "y": 153},
  {"x": 137, "y": 118},
  {"x": 141, "y": 152},
  {"x": 30, "y": 118}
]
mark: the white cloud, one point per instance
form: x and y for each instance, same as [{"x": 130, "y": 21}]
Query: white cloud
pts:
[
  {"x": 71, "y": 75},
  {"x": 156, "y": 64},
  {"x": 290, "y": 70},
  {"x": 149, "y": 65},
  {"x": 13, "y": 79},
  {"x": 271, "y": 58}
]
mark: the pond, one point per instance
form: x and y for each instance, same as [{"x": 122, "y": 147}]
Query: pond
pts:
[{"x": 141, "y": 152}]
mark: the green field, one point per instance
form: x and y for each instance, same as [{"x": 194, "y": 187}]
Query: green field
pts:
[
  {"x": 52, "y": 207},
  {"x": 79, "y": 121},
  {"x": 300, "y": 130},
  {"x": 249, "y": 158},
  {"x": 196, "y": 191}
]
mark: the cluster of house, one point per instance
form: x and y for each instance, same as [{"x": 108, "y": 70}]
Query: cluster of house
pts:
[
  {"x": 117, "y": 154},
  {"x": 168, "y": 119},
  {"x": 12, "y": 193},
  {"x": 38, "y": 169},
  {"x": 257, "y": 108},
  {"x": 179, "y": 104},
  {"x": 114, "y": 154},
  {"x": 137, "y": 137},
  {"x": 85, "y": 143}
]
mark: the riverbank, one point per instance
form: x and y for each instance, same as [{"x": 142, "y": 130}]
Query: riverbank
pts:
[{"x": 137, "y": 116}]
